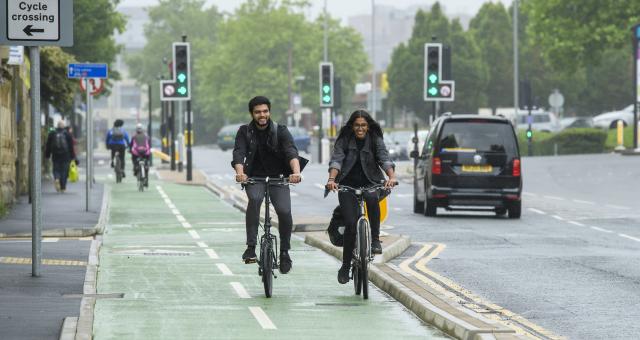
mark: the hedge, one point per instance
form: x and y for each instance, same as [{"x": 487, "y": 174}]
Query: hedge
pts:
[{"x": 567, "y": 142}]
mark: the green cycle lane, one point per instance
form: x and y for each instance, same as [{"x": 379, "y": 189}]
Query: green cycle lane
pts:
[{"x": 174, "y": 252}]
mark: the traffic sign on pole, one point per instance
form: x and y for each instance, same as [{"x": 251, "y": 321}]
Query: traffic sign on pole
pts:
[
  {"x": 87, "y": 71},
  {"x": 178, "y": 88},
  {"x": 36, "y": 22}
]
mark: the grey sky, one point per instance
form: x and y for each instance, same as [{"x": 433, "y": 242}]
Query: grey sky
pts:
[{"x": 347, "y": 8}]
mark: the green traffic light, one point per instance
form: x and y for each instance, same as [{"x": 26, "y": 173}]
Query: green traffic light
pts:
[
  {"x": 182, "y": 77},
  {"x": 326, "y": 99},
  {"x": 326, "y": 88},
  {"x": 433, "y": 91},
  {"x": 529, "y": 133},
  {"x": 182, "y": 90},
  {"x": 433, "y": 78}
]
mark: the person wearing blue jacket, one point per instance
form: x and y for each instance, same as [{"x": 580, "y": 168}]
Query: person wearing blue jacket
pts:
[{"x": 118, "y": 140}]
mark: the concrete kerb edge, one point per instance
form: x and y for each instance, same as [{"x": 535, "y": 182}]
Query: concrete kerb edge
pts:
[{"x": 417, "y": 304}]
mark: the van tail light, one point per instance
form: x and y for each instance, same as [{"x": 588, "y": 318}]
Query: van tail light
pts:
[
  {"x": 516, "y": 168},
  {"x": 436, "y": 166}
]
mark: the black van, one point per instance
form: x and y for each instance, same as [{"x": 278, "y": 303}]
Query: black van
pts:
[{"x": 469, "y": 162}]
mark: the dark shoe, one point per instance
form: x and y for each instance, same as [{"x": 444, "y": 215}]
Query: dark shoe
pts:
[
  {"x": 112, "y": 164},
  {"x": 376, "y": 247},
  {"x": 249, "y": 255},
  {"x": 343, "y": 274},
  {"x": 285, "y": 262}
]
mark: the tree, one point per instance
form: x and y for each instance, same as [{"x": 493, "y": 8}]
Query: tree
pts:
[
  {"x": 56, "y": 88},
  {"x": 251, "y": 58},
  {"x": 575, "y": 33},
  {"x": 492, "y": 30}
]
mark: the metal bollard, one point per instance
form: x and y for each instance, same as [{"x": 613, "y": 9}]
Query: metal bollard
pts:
[{"x": 620, "y": 130}]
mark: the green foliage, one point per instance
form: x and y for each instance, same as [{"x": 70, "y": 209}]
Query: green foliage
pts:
[
  {"x": 405, "y": 72},
  {"x": 575, "y": 33},
  {"x": 568, "y": 142},
  {"x": 612, "y": 138},
  {"x": 55, "y": 87},
  {"x": 251, "y": 58},
  {"x": 492, "y": 29}
]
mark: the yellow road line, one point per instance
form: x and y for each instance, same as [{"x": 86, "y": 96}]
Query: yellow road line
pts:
[
  {"x": 491, "y": 311},
  {"x": 50, "y": 262}
]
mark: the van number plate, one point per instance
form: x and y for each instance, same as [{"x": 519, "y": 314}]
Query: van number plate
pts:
[{"x": 477, "y": 168}]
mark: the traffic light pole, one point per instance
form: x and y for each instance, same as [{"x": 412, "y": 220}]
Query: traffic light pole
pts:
[
  {"x": 189, "y": 138},
  {"x": 172, "y": 140},
  {"x": 149, "y": 125}
]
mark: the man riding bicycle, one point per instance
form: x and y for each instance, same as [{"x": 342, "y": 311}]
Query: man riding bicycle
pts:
[
  {"x": 358, "y": 155},
  {"x": 117, "y": 141},
  {"x": 265, "y": 149},
  {"x": 140, "y": 149}
]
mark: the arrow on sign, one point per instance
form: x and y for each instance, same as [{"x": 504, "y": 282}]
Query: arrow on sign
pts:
[
  {"x": 433, "y": 91},
  {"x": 29, "y": 28}
]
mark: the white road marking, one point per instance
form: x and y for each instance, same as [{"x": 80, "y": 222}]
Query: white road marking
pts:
[
  {"x": 403, "y": 195},
  {"x": 212, "y": 254},
  {"x": 559, "y": 218},
  {"x": 617, "y": 207},
  {"x": 601, "y": 229},
  {"x": 318, "y": 185},
  {"x": 224, "y": 269},
  {"x": 554, "y": 198},
  {"x": 186, "y": 225},
  {"x": 110, "y": 176},
  {"x": 577, "y": 223},
  {"x": 584, "y": 202},
  {"x": 262, "y": 318},
  {"x": 529, "y": 194},
  {"x": 398, "y": 209},
  {"x": 242, "y": 293},
  {"x": 294, "y": 194},
  {"x": 194, "y": 234},
  {"x": 181, "y": 218},
  {"x": 537, "y": 211},
  {"x": 629, "y": 237},
  {"x": 171, "y": 206},
  {"x": 175, "y": 211},
  {"x": 202, "y": 245},
  {"x": 50, "y": 239}
]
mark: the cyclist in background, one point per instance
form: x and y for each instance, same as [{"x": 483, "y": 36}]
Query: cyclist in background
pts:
[
  {"x": 140, "y": 148},
  {"x": 117, "y": 140},
  {"x": 264, "y": 148},
  {"x": 359, "y": 154}
]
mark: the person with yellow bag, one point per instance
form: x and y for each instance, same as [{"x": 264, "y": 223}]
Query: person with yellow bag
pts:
[{"x": 60, "y": 148}]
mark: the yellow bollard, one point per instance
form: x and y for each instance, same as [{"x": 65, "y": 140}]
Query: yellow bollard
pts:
[{"x": 620, "y": 127}]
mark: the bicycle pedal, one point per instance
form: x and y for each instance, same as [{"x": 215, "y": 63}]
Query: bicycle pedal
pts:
[{"x": 250, "y": 261}]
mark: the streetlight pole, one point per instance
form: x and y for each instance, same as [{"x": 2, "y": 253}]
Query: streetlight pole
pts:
[
  {"x": 516, "y": 75},
  {"x": 373, "y": 59}
]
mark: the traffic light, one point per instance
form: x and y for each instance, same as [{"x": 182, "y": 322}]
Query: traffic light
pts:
[
  {"x": 179, "y": 88},
  {"x": 326, "y": 85},
  {"x": 529, "y": 133},
  {"x": 435, "y": 88}
]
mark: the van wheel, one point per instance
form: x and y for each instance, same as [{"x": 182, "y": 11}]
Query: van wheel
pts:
[
  {"x": 515, "y": 209},
  {"x": 418, "y": 207},
  {"x": 430, "y": 210}
]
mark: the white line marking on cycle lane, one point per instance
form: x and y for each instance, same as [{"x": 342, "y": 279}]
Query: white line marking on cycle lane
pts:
[
  {"x": 224, "y": 269},
  {"x": 202, "y": 245},
  {"x": 577, "y": 223},
  {"x": 194, "y": 234},
  {"x": 262, "y": 318},
  {"x": 601, "y": 229},
  {"x": 537, "y": 211},
  {"x": 629, "y": 237},
  {"x": 242, "y": 293}
]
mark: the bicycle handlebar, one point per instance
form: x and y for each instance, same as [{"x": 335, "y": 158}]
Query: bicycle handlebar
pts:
[{"x": 273, "y": 180}]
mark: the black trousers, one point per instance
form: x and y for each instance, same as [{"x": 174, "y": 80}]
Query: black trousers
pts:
[
  {"x": 61, "y": 171},
  {"x": 134, "y": 161},
  {"x": 120, "y": 148},
  {"x": 280, "y": 198},
  {"x": 350, "y": 212}
]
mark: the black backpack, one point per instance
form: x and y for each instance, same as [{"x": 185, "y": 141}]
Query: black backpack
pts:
[{"x": 60, "y": 145}]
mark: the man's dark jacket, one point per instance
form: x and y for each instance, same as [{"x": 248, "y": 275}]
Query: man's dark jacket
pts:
[
  {"x": 59, "y": 157},
  {"x": 279, "y": 142},
  {"x": 373, "y": 157}
]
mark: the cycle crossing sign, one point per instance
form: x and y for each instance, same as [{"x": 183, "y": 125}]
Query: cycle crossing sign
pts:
[{"x": 36, "y": 22}]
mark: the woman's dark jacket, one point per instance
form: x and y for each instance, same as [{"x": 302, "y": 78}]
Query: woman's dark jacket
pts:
[
  {"x": 373, "y": 157},
  {"x": 280, "y": 144}
]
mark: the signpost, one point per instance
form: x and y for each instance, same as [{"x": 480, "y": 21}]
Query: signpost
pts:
[
  {"x": 88, "y": 73},
  {"x": 36, "y": 23},
  {"x": 636, "y": 82}
]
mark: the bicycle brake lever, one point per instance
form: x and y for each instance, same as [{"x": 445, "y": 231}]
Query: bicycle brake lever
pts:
[{"x": 326, "y": 192}]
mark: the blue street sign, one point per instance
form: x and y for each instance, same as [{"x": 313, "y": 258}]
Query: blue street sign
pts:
[{"x": 87, "y": 70}]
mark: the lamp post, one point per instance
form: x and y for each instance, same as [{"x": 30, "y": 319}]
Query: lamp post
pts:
[{"x": 373, "y": 59}]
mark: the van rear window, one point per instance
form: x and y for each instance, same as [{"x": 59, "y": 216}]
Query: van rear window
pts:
[{"x": 478, "y": 136}]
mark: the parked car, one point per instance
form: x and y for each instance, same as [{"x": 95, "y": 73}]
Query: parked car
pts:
[
  {"x": 227, "y": 136},
  {"x": 540, "y": 121},
  {"x": 469, "y": 163},
  {"x": 576, "y": 122},
  {"x": 301, "y": 138},
  {"x": 609, "y": 120},
  {"x": 399, "y": 141}
]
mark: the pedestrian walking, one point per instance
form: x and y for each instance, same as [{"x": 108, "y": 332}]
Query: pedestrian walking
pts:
[{"x": 60, "y": 148}]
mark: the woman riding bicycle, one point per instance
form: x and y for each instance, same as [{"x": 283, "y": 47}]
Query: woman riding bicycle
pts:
[{"x": 359, "y": 154}]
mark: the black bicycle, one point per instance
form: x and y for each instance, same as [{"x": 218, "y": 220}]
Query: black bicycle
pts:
[
  {"x": 362, "y": 252},
  {"x": 118, "y": 167},
  {"x": 267, "y": 261}
]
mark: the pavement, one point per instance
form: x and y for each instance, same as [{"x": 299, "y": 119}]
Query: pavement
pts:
[{"x": 35, "y": 307}]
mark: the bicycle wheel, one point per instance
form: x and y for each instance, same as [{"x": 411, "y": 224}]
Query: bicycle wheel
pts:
[
  {"x": 118, "y": 169},
  {"x": 266, "y": 265},
  {"x": 140, "y": 181},
  {"x": 357, "y": 283},
  {"x": 364, "y": 257}
]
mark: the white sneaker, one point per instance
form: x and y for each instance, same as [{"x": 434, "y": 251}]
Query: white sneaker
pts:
[{"x": 56, "y": 183}]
